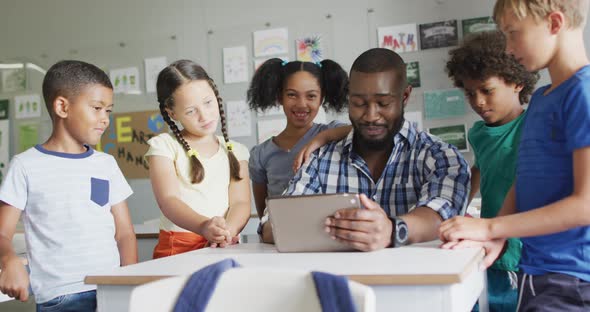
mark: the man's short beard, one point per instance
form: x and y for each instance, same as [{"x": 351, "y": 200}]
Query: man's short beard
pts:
[
  {"x": 372, "y": 145},
  {"x": 381, "y": 144}
]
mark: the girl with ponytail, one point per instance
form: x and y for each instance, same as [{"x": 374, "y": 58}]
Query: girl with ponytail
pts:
[
  {"x": 300, "y": 88},
  {"x": 200, "y": 180}
]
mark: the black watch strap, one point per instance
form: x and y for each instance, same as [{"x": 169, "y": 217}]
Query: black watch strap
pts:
[{"x": 393, "y": 232}]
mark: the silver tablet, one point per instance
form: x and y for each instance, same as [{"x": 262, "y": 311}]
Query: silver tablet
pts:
[{"x": 298, "y": 221}]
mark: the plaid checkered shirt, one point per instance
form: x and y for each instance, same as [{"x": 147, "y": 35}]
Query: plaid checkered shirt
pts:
[{"x": 421, "y": 171}]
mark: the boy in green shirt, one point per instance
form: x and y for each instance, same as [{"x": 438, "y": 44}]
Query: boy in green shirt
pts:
[{"x": 496, "y": 86}]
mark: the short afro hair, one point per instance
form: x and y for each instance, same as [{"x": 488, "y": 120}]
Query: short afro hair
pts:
[
  {"x": 481, "y": 56},
  {"x": 68, "y": 78},
  {"x": 378, "y": 60}
]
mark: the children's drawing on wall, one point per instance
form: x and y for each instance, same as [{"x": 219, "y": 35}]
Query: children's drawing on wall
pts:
[
  {"x": 478, "y": 24},
  {"x": 4, "y": 109},
  {"x": 309, "y": 49},
  {"x": 455, "y": 135},
  {"x": 125, "y": 80},
  {"x": 27, "y": 106},
  {"x": 413, "y": 74},
  {"x": 13, "y": 80},
  {"x": 271, "y": 42},
  {"x": 399, "y": 38},
  {"x": 4, "y": 145},
  {"x": 444, "y": 104},
  {"x": 28, "y": 136},
  {"x": 439, "y": 35},
  {"x": 126, "y": 139},
  {"x": 153, "y": 66},
  {"x": 239, "y": 119},
  {"x": 270, "y": 128},
  {"x": 235, "y": 64}
]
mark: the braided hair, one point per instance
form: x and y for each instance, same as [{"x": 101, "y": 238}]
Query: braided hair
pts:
[
  {"x": 170, "y": 79},
  {"x": 270, "y": 78}
]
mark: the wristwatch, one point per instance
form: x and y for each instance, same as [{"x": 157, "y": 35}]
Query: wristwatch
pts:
[{"x": 399, "y": 232}]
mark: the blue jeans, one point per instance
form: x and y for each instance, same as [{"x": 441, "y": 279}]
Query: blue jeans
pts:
[{"x": 79, "y": 302}]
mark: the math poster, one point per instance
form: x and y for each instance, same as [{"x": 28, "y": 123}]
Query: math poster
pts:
[
  {"x": 126, "y": 139},
  {"x": 399, "y": 38}
]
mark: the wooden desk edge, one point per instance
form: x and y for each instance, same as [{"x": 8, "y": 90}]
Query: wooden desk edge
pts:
[
  {"x": 410, "y": 279},
  {"x": 473, "y": 264},
  {"x": 367, "y": 279}
]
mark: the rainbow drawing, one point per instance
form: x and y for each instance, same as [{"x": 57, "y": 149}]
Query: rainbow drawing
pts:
[
  {"x": 271, "y": 42},
  {"x": 309, "y": 49}
]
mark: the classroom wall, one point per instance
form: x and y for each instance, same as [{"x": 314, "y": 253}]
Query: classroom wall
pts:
[{"x": 114, "y": 34}]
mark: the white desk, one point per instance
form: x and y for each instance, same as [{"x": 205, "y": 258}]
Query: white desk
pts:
[{"x": 414, "y": 278}]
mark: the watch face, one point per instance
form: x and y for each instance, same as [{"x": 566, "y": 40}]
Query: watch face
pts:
[{"x": 402, "y": 232}]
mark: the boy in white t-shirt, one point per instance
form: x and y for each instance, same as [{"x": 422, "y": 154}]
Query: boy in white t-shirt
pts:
[{"x": 72, "y": 198}]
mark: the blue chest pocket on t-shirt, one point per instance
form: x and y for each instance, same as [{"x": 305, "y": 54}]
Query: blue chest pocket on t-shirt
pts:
[
  {"x": 99, "y": 191},
  {"x": 547, "y": 130}
]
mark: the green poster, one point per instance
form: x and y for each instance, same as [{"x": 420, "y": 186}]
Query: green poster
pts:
[
  {"x": 479, "y": 24},
  {"x": 3, "y": 109},
  {"x": 28, "y": 136},
  {"x": 413, "y": 74},
  {"x": 444, "y": 104},
  {"x": 454, "y": 135}
]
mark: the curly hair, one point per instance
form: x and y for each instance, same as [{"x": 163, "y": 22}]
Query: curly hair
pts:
[
  {"x": 268, "y": 83},
  {"x": 482, "y": 56}
]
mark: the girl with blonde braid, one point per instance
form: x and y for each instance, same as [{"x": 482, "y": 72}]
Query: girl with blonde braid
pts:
[{"x": 200, "y": 180}]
